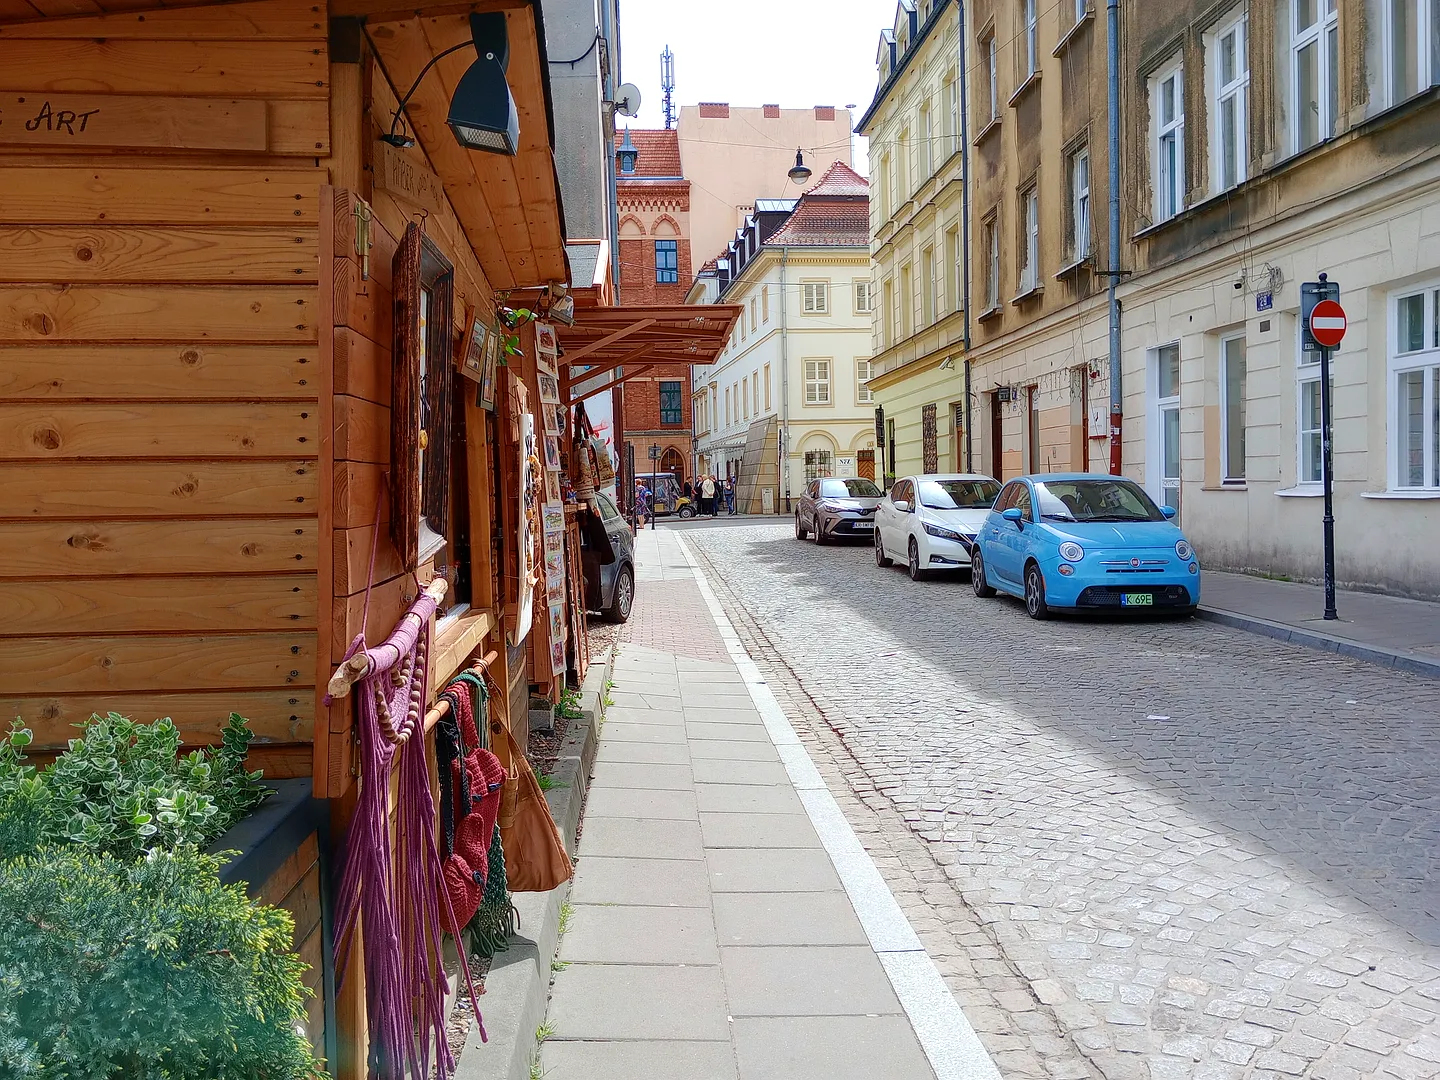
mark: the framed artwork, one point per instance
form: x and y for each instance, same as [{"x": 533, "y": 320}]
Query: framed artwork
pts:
[
  {"x": 552, "y": 414},
  {"x": 472, "y": 360},
  {"x": 485, "y": 396},
  {"x": 547, "y": 348},
  {"x": 549, "y": 388},
  {"x": 552, "y": 453}
]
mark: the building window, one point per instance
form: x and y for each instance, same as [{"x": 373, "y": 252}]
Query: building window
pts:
[
  {"x": 907, "y": 302},
  {"x": 670, "y": 408},
  {"x": 1411, "y": 66},
  {"x": 755, "y": 390},
  {"x": 992, "y": 262},
  {"x": 906, "y": 166},
  {"x": 1081, "y": 8},
  {"x": 667, "y": 262},
  {"x": 988, "y": 82},
  {"x": 1310, "y": 462},
  {"x": 927, "y": 287},
  {"x": 767, "y": 387},
  {"x": 927, "y": 142},
  {"x": 745, "y": 399},
  {"x": 862, "y": 298},
  {"x": 1165, "y": 421},
  {"x": 952, "y": 115},
  {"x": 1314, "y": 67},
  {"x": 883, "y": 173},
  {"x": 765, "y": 305},
  {"x": 955, "y": 271},
  {"x": 1167, "y": 103},
  {"x": 817, "y": 465},
  {"x": 887, "y": 314},
  {"x": 1415, "y": 382},
  {"x": 863, "y": 395},
  {"x": 728, "y": 413},
  {"x": 1232, "y": 81},
  {"x": 1232, "y": 409},
  {"x": 1080, "y": 205},
  {"x": 1032, "y": 38},
  {"x": 817, "y": 382},
  {"x": 753, "y": 306},
  {"x": 815, "y": 297},
  {"x": 1030, "y": 240}
]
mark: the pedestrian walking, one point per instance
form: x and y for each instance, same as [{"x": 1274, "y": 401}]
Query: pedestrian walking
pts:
[
  {"x": 730, "y": 495},
  {"x": 707, "y": 496},
  {"x": 642, "y": 502}
]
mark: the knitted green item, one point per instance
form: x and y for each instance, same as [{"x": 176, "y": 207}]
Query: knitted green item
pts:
[{"x": 497, "y": 918}]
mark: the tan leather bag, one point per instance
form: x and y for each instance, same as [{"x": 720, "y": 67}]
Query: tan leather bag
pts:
[{"x": 535, "y": 855}]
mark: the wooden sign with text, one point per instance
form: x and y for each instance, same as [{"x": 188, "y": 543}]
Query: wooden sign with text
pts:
[
  {"x": 406, "y": 179},
  {"x": 59, "y": 120}
]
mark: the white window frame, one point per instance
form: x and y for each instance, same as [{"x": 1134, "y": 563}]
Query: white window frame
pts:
[
  {"x": 765, "y": 305},
  {"x": 745, "y": 398},
  {"x": 954, "y": 261},
  {"x": 1169, "y": 179},
  {"x": 927, "y": 141},
  {"x": 1082, "y": 8},
  {"x": 1030, "y": 224},
  {"x": 1421, "y": 36},
  {"x": 815, "y": 298},
  {"x": 766, "y": 380},
  {"x": 992, "y": 80},
  {"x": 1327, "y": 21},
  {"x": 906, "y": 296},
  {"x": 1030, "y": 21},
  {"x": 817, "y": 372},
  {"x": 1080, "y": 204},
  {"x": 864, "y": 301},
  {"x": 1307, "y": 373},
  {"x": 952, "y": 105},
  {"x": 1427, "y": 360},
  {"x": 1236, "y": 91},
  {"x": 889, "y": 323},
  {"x": 992, "y": 280},
  {"x": 819, "y": 465},
  {"x": 1228, "y": 474},
  {"x": 1156, "y": 407},
  {"x": 863, "y": 394},
  {"x": 927, "y": 287}
]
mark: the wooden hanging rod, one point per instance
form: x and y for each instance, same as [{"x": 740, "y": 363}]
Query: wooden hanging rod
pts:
[
  {"x": 358, "y": 666},
  {"x": 435, "y": 715}
]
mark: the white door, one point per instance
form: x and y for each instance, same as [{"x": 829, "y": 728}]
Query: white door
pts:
[{"x": 1165, "y": 421}]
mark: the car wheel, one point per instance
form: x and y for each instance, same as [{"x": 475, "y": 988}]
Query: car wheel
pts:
[
  {"x": 623, "y": 598},
  {"x": 1035, "y": 604},
  {"x": 799, "y": 529},
  {"x": 819, "y": 533},
  {"x": 881, "y": 559},
  {"x": 687, "y": 511},
  {"x": 983, "y": 588},
  {"x": 916, "y": 574}
]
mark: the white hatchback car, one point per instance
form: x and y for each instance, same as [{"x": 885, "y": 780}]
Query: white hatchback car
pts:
[{"x": 929, "y": 522}]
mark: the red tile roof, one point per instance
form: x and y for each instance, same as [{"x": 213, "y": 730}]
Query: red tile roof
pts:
[
  {"x": 833, "y": 213},
  {"x": 658, "y": 153}
]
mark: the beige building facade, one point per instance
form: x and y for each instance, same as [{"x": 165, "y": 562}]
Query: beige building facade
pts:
[{"x": 735, "y": 155}]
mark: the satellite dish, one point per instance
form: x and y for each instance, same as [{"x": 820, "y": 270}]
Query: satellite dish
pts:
[{"x": 627, "y": 100}]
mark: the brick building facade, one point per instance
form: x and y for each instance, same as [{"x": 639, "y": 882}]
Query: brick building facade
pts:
[{"x": 653, "y": 409}]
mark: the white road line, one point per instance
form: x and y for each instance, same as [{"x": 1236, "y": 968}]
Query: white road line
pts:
[{"x": 950, "y": 1043}]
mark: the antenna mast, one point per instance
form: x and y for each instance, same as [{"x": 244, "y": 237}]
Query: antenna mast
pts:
[{"x": 667, "y": 85}]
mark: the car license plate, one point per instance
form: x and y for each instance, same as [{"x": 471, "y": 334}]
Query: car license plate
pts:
[
  {"x": 864, "y": 526},
  {"x": 1137, "y": 599}
]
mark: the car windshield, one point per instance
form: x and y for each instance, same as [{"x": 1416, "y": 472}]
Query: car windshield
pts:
[
  {"x": 1095, "y": 500},
  {"x": 849, "y": 489},
  {"x": 958, "y": 494}
]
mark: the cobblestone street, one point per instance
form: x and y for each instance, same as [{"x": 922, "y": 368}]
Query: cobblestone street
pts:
[{"x": 1135, "y": 849}]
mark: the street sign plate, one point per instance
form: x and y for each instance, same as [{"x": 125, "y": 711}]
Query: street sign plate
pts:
[{"x": 1327, "y": 323}]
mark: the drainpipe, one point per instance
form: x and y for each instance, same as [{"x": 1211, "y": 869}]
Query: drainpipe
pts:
[
  {"x": 1112, "y": 14},
  {"x": 782, "y": 443},
  {"x": 965, "y": 220}
]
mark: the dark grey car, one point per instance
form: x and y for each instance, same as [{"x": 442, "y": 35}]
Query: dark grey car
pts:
[
  {"x": 610, "y": 584},
  {"x": 837, "y": 507}
]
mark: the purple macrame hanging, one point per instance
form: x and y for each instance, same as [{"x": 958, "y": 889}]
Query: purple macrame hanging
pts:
[{"x": 398, "y": 889}]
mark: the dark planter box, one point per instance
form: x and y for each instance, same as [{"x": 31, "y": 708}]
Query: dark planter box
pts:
[{"x": 284, "y": 860}]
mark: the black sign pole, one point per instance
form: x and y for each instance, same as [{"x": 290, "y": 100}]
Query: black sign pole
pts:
[{"x": 1328, "y": 477}]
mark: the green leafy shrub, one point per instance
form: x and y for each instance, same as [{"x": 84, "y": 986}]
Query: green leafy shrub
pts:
[
  {"x": 144, "y": 969},
  {"x": 124, "y": 789}
]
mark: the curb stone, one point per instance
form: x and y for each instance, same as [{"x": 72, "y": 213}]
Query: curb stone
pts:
[
  {"x": 1370, "y": 654},
  {"x": 517, "y": 990}
]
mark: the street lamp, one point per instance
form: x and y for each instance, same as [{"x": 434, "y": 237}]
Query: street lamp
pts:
[{"x": 800, "y": 172}]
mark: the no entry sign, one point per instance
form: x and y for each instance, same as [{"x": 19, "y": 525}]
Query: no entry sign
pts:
[{"x": 1327, "y": 323}]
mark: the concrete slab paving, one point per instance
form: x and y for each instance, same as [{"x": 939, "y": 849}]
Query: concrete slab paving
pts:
[
  {"x": 787, "y": 918},
  {"x": 722, "y": 830},
  {"x": 633, "y": 775},
  {"x": 832, "y": 1047},
  {"x": 717, "y": 771},
  {"x": 748, "y": 799},
  {"x": 722, "y": 716},
  {"x": 670, "y": 1060},
  {"x": 630, "y": 934},
  {"x": 643, "y": 753},
  {"x": 753, "y": 870},
  {"x": 636, "y": 1001},
  {"x": 735, "y": 732},
  {"x": 667, "y": 717},
  {"x": 649, "y": 882},
  {"x": 788, "y": 981},
  {"x": 642, "y": 838},
  {"x": 733, "y": 750},
  {"x": 625, "y": 731},
  {"x": 643, "y": 803}
]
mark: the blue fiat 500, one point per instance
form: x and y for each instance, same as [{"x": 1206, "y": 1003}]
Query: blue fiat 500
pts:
[{"x": 1084, "y": 541}]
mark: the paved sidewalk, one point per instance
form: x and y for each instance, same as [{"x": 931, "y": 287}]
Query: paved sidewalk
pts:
[
  {"x": 712, "y": 937},
  {"x": 1387, "y": 630}
]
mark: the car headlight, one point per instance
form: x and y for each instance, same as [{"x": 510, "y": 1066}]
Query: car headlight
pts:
[
  {"x": 1182, "y": 549},
  {"x": 1071, "y": 551},
  {"x": 944, "y": 534}
]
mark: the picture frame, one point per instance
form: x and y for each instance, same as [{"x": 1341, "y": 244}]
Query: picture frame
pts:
[
  {"x": 473, "y": 350},
  {"x": 547, "y": 348},
  {"x": 552, "y": 453},
  {"x": 485, "y": 396},
  {"x": 551, "y": 415},
  {"x": 549, "y": 388}
]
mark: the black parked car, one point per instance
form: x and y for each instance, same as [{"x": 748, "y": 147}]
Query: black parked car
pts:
[
  {"x": 609, "y": 562},
  {"x": 835, "y": 507}
]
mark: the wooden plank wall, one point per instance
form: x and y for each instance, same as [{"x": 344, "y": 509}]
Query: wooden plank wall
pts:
[{"x": 160, "y": 438}]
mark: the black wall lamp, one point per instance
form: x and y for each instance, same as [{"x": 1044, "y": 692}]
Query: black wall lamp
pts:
[
  {"x": 482, "y": 112},
  {"x": 800, "y": 172}
]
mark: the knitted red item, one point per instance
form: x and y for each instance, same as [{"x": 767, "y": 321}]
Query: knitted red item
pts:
[{"x": 466, "y": 868}]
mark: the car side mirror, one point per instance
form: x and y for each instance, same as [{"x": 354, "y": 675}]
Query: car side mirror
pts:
[
  {"x": 1168, "y": 512},
  {"x": 902, "y": 506},
  {"x": 1014, "y": 514}
]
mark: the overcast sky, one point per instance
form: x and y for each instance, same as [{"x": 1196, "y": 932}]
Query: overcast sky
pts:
[{"x": 794, "y": 53}]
